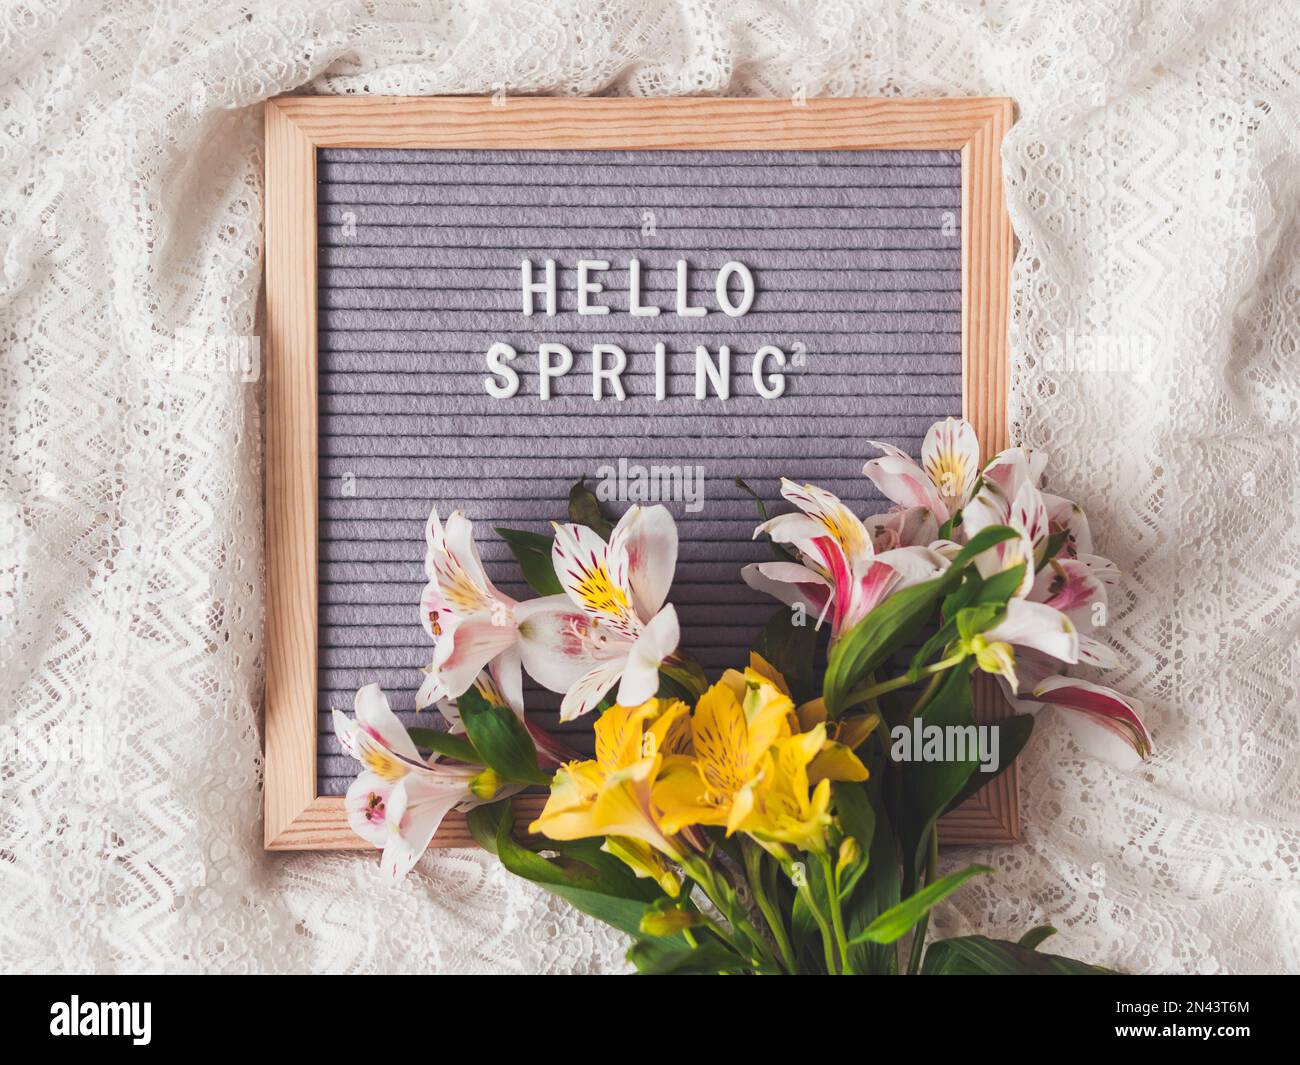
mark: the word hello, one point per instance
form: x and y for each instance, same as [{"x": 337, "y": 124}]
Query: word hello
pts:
[
  {"x": 651, "y": 484},
  {"x": 609, "y": 361},
  {"x": 920, "y": 742},
  {"x": 103, "y": 1018}
]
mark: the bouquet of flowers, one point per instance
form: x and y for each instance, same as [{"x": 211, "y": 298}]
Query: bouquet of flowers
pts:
[{"x": 762, "y": 822}]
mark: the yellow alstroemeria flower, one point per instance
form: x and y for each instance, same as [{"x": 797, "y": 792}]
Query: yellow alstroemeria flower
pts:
[
  {"x": 750, "y": 769},
  {"x": 610, "y": 795},
  {"x": 732, "y": 729}
]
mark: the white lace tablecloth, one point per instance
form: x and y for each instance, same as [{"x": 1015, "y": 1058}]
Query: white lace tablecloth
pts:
[{"x": 1153, "y": 180}]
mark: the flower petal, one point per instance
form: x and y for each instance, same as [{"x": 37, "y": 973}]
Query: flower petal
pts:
[
  {"x": 467, "y": 645},
  {"x": 1117, "y": 716},
  {"x": 641, "y": 671},
  {"x": 902, "y": 527},
  {"x": 1039, "y": 627},
  {"x": 902, "y": 481},
  {"x": 416, "y": 807},
  {"x": 452, "y": 561},
  {"x": 376, "y": 718},
  {"x": 836, "y": 520},
  {"x": 588, "y": 690},
  {"x": 791, "y": 583},
  {"x": 366, "y": 804},
  {"x": 950, "y": 457},
  {"x": 649, "y": 535},
  {"x": 594, "y": 574},
  {"x": 561, "y": 643}
]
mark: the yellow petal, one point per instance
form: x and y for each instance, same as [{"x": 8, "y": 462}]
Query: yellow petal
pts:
[
  {"x": 835, "y": 761},
  {"x": 853, "y": 730},
  {"x": 760, "y": 665},
  {"x": 680, "y": 798},
  {"x": 811, "y": 714}
]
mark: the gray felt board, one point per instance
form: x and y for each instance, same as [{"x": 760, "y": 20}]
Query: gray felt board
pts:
[{"x": 856, "y": 263}]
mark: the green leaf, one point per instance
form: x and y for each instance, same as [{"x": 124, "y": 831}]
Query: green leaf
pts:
[
  {"x": 897, "y": 621},
  {"x": 858, "y": 819},
  {"x": 929, "y": 787},
  {"x": 533, "y": 553},
  {"x": 1035, "y": 936},
  {"x": 878, "y": 888},
  {"x": 444, "y": 743},
  {"x": 583, "y": 875},
  {"x": 664, "y": 957},
  {"x": 1054, "y": 544},
  {"x": 483, "y": 822},
  {"x": 973, "y": 620},
  {"x": 973, "y": 592},
  {"x": 584, "y": 509},
  {"x": 791, "y": 649},
  {"x": 979, "y": 956},
  {"x": 1013, "y": 734},
  {"x": 501, "y": 739},
  {"x": 897, "y": 921}
]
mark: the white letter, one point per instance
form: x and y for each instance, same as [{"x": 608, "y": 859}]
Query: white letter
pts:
[
  {"x": 724, "y": 297},
  {"x": 683, "y": 287},
  {"x": 547, "y": 286},
  {"x": 600, "y": 373},
  {"x": 585, "y": 286},
  {"x": 59, "y": 1017},
  {"x": 142, "y": 1031},
  {"x": 634, "y": 292},
  {"x": 547, "y": 370},
  {"x": 497, "y": 357},
  {"x": 661, "y": 372},
  {"x": 777, "y": 387},
  {"x": 719, "y": 373}
]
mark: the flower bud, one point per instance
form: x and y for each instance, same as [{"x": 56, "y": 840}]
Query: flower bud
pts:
[
  {"x": 995, "y": 657},
  {"x": 485, "y": 785},
  {"x": 849, "y": 854},
  {"x": 667, "y": 922}
]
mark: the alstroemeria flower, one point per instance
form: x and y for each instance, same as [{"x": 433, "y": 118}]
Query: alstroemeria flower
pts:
[
  {"x": 611, "y": 625},
  {"x": 399, "y": 801},
  {"x": 750, "y": 770},
  {"x": 1105, "y": 723},
  {"x": 1005, "y": 475},
  {"x": 472, "y": 623},
  {"x": 610, "y": 795},
  {"x": 902, "y": 527},
  {"x": 840, "y": 572},
  {"x": 1077, "y": 588},
  {"x": 945, "y": 478}
]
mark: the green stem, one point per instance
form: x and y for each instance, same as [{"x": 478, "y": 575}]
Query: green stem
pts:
[
  {"x": 754, "y": 873},
  {"x": 837, "y": 915},
  {"x": 805, "y": 893},
  {"x": 918, "y": 939},
  {"x": 865, "y": 694},
  {"x": 759, "y": 953}
]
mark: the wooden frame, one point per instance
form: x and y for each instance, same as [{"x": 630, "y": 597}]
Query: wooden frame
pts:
[{"x": 296, "y": 817}]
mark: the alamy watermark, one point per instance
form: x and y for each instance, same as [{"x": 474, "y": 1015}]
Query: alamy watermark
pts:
[
  {"x": 635, "y": 483},
  {"x": 919, "y": 742}
]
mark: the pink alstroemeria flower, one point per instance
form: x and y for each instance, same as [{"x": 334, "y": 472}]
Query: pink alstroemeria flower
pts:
[
  {"x": 839, "y": 574},
  {"x": 472, "y": 623},
  {"x": 945, "y": 478},
  {"x": 399, "y": 800},
  {"x": 610, "y": 626}
]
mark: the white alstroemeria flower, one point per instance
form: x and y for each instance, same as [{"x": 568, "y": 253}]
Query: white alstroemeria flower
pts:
[
  {"x": 472, "y": 623},
  {"x": 611, "y": 625},
  {"x": 399, "y": 800},
  {"x": 1104, "y": 723},
  {"x": 840, "y": 573},
  {"x": 945, "y": 478}
]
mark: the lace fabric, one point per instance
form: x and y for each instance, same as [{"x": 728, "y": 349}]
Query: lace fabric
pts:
[{"x": 1153, "y": 180}]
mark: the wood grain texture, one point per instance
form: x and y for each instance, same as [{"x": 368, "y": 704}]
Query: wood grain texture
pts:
[
  {"x": 290, "y": 228},
  {"x": 298, "y": 819}
]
